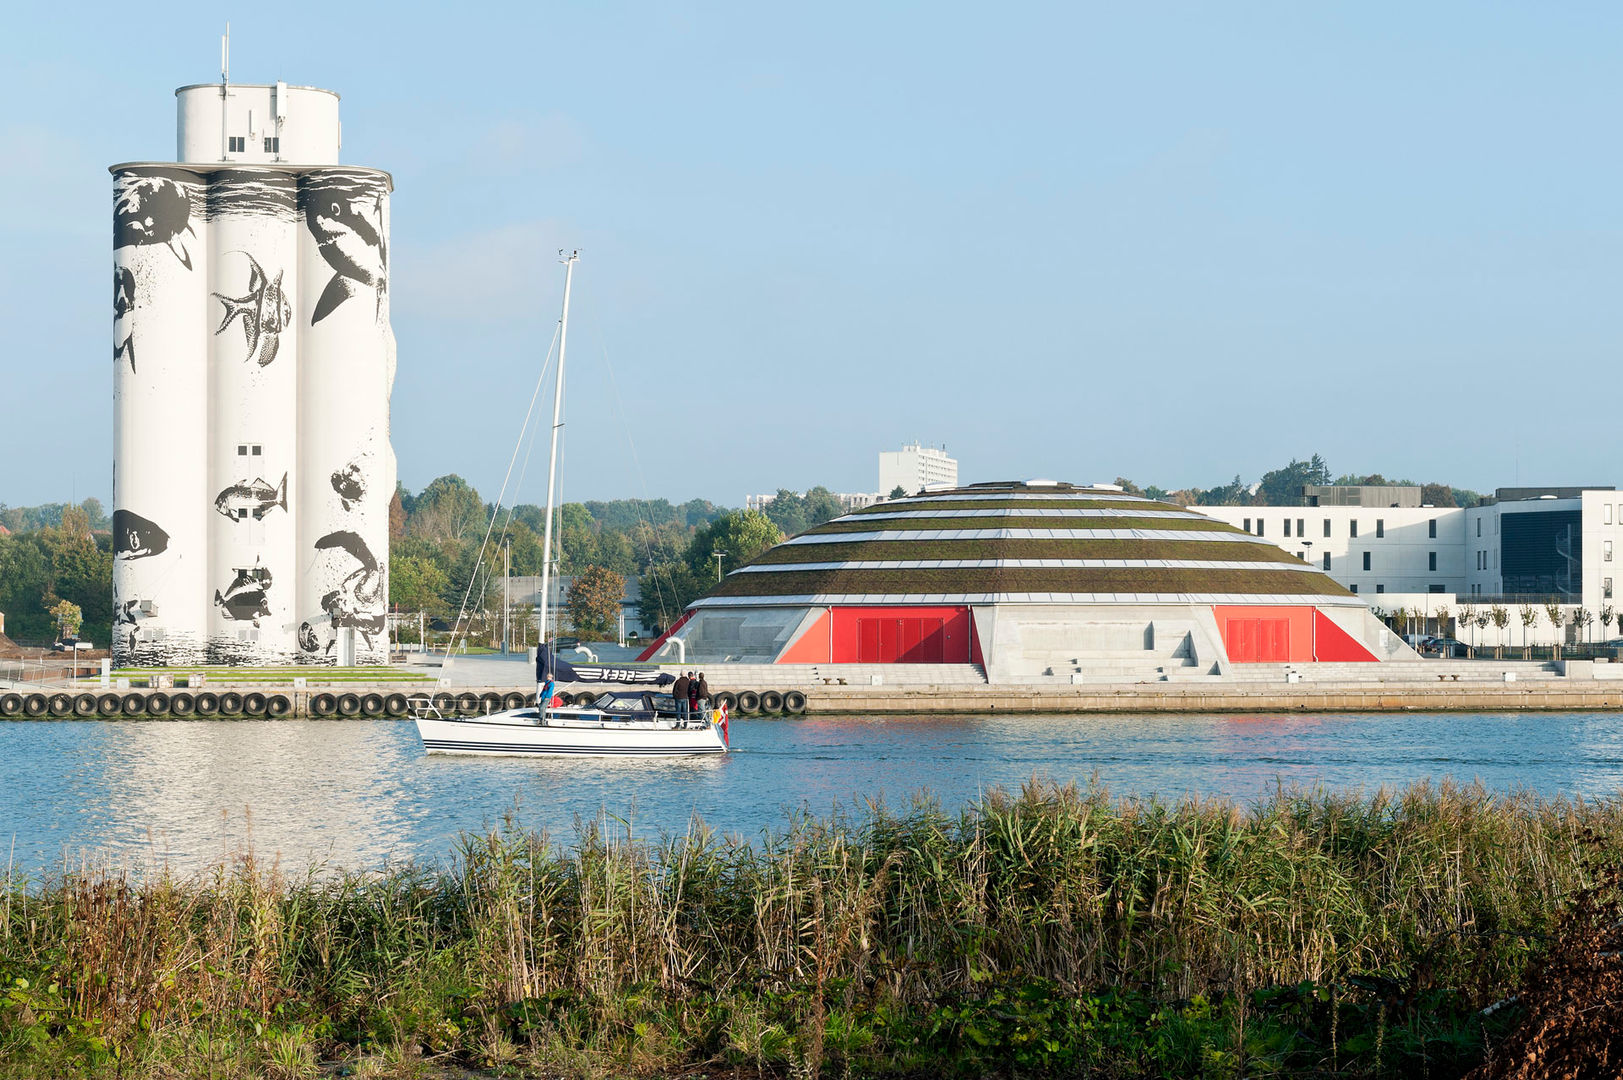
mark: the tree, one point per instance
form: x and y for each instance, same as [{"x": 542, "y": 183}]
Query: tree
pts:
[
  {"x": 1439, "y": 495},
  {"x": 1582, "y": 619},
  {"x": 397, "y": 516},
  {"x": 667, "y": 589},
  {"x": 1283, "y": 487},
  {"x": 67, "y": 617},
  {"x": 1128, "y": 486},
  {"x": 1233, "y": 493},
  {"x": 448, "y": 509},
  {"x": 821, "y": 506},
  {"x": 1468, "y": 618},
  {"x": 1529, "y": 616},
  {"x": 1557, "y": 617},
  {"x": 416, "y": 584},
  {"x": 593, "y": 603},
  {"x": 1607, "y": 614},
  {"x": 897, "y": 492},
  {"x": 787, "y": 511},
  {"x": 1442, "y": 620},
  {"x": 740, "y": 536},
  {"x": 1501, "y": 619}
]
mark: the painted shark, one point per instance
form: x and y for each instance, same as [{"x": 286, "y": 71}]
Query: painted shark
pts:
[
  {"x": 349, "y": 234},
  {"x": 153, "y": 210},
  {"x": 134, "y": 537}
]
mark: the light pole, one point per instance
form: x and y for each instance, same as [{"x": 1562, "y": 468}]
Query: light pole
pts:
[{"x": 720, "y": 555}]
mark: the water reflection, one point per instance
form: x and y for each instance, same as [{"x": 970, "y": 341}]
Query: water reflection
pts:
[{"x": 362, "y": 794}]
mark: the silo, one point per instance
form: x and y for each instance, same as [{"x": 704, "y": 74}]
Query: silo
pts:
[
  {"x": 253, "y": 364},
  {"x": 346, "y": 468},
  {"x": 160, "y": 416},
  {"x": 253, "y": 390}
]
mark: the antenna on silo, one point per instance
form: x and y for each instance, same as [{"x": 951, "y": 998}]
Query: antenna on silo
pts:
[{"x": 225, "y": 56}]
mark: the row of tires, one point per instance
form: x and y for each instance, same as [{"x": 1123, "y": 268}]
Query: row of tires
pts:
[
  {"x": 768, "y": 702},
  {"x": 182, "y": 703},
  {"x": 156, "y": 703}
]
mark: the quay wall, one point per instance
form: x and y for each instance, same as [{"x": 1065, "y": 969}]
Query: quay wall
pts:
[{"x": 384, "y": 701}]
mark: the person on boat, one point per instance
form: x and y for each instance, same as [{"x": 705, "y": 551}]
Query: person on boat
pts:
[
  {"x": 693, "y": 698},
  {"x": 702, "y": 699},
  {"x": 679, "y": 691}
]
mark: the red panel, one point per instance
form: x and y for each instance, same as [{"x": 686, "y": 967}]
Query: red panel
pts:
[
  {"x": 1264, "y": 634},
  {"x": 915, "y": 635},
  {"x": 811, "y": 647},
  {"x": 1331, "y": 642}
]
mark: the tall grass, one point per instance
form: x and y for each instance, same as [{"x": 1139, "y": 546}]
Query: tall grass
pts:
[{"x": 1056, "y": 930}]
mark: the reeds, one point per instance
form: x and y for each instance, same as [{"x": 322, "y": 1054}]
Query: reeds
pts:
[{"x": 1056, "y": 929}]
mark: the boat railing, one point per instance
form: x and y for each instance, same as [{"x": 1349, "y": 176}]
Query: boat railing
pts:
[{"x": 422, "y": 707}]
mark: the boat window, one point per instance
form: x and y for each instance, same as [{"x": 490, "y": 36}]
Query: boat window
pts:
[
  {"x": 619, "y": 703},
  {"x": 664, "y": 703}
]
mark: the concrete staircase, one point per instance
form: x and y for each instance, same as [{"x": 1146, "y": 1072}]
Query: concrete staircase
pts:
[{"x": 1171, "y": 649}]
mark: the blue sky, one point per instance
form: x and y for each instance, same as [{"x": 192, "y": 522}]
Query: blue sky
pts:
[{"x": 1172, "y": 242}]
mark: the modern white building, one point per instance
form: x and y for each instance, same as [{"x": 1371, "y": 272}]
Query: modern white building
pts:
[
  {"x": 914, "y": 468},
  {"x": 1524, "y": 550},
  {"x": 252, "y": 365}
]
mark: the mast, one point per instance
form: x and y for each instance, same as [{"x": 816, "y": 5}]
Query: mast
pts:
[{"x": 557, "y": 423}]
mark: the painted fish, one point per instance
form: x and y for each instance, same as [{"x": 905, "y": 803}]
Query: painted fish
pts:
[
  {"x": 153, "y": 210},
  {"x": 347, "y": 223},
  {"x": 349, "y": 485},
  {"x": 246, "y": 597},
  {"x": 123, "y": 304},
  {"x": 265, "y": 313},
  {"x": 358, "y": 599},
  {"x": 255, "y": 496},
  {"x": 134, "y": 537}
]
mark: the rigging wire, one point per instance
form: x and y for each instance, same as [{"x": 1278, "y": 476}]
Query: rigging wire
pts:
[
  {"x": 642, "y": 480},
  {"x": 496, "y": 509}
]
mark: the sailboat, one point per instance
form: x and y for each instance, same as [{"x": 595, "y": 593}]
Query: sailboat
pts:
[{"x": 637, "y": 721}]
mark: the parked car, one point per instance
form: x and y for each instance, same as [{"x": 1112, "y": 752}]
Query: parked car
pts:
[
  {"x": 1444, "y": 648},
  {"x": 71, "y": 645}
]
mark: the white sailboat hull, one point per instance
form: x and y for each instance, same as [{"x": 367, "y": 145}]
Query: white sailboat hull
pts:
[{"x": 518, "y": 733}]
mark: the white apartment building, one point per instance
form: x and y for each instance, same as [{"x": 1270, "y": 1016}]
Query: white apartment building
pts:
[
  {"x": 1526, "y": 548},
  {"x": 914, "y": 468}
]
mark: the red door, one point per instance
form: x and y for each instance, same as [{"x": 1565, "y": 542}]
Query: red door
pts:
[{"x": 1252, "y": 641}]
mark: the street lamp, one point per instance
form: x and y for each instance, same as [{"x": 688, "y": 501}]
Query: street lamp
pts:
[{"x": 720, "y": 555}]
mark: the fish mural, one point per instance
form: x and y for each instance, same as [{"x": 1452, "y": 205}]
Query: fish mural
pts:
[
  {"x": 345, "y": 215},
  {"x": 265, "y": 313},
  {"x": 246, "y": 598},
  {"x": 134, "y": 537},
  {"x": 358, "y": 599},
  {"x": 152, "y": 210},
  {"x": 349, "y": 484},
  {"x": 123, "y": 304},
  {"x": 251, "y": 498}
]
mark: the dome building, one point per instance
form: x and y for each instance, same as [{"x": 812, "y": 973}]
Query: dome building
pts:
[{"x": 1032, "y": 580}]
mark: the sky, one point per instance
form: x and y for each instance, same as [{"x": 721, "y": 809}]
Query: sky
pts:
[{"x": 1171, "y": 242}]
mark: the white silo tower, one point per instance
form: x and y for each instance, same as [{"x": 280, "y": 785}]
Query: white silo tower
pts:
[{"x": 253, "y": 360}]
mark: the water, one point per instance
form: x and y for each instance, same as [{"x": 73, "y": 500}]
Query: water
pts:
[{"x": 361, "y": 794}]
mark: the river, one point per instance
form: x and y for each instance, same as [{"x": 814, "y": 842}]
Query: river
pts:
[{"x": 361, "y": 794}]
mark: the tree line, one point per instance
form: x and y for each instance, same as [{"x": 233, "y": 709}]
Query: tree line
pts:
[{"x": 446, "y": 547}]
